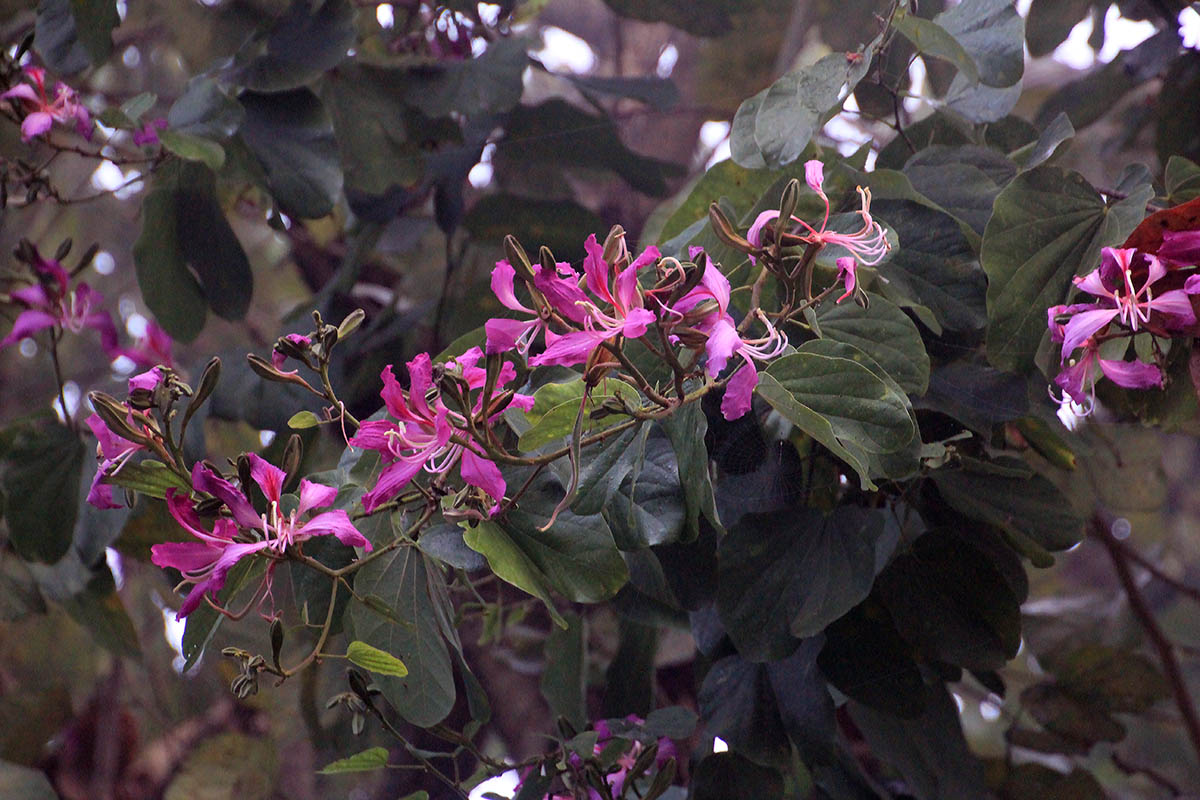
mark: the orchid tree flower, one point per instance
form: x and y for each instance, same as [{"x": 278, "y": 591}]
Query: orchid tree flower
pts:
[
  {"x": 561, "y": 291},
  {"x": 1113, "y": 283},
  {"x": 41, "y": 112},
  {"x": 153, "y": 348},
  {"x": 113, "y": 450},
  {"x": 847, "y": 273},
  {"x": 53, "y": 304},
  {"x": 724, "y": 341},
  {"x": 206, "y": 563},
  {"x": 868, "y": 244},
  {"x": 1078, "y": 381},
  {"x": 420, "y": 438},
  {"x": 1181, "y": 248}
]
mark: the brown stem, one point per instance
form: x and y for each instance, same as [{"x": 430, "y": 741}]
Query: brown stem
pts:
[
  {"x": 1145, "y": 615},
  {"x": 1190, "y": 591}
]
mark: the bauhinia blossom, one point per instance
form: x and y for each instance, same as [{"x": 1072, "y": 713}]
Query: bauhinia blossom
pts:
[
  {"x": 41, "y": 112},
  {"x": 420, "y": 438},
  {"x": 53, "y": 304},
  {"x": 868, "y": 244},
  {"x": 1078, "y": 381},
  {"x": 152, "y": 348},
  {"x": 205, "y": 563},
  {"x": 114, "y": 451},
  {"x": 1113, "y": 283}
]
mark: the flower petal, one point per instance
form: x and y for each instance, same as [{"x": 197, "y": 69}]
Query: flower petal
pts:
[
  {"x": 315, "y": 495},
  {"x": 504, "y": 335},
  {"x": 205, "y": 480},
  {"x": 1132, "y": 374},
  {"x": 269, "y": 477},
  {"x": 596, "y": 269},
  {"x": 391, "y": 480},
  {"x": 337, "y": 523},
  {"x": 479, "y": 471},
  {"x": 570, "y": 349},
  {"x": 503, "y": 276},
  {"x": 27, "y": 324},
  {"x": 1083, "y": 325},
  {"x": 1176, "y": 305},
  {"x": 722, "y": 342},
  {"x": 739, "y": 392},
  {"x": 1180, "y": 247},
  {"x": 636, "y": 323},
  {"x": 35, "y": 125}
]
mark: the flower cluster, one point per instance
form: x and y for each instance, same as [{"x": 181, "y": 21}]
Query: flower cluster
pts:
[
  {"x": 41, "y": 112},
  {"x": 52, "y": 303},
  {"x": 1134, "y": 292}
]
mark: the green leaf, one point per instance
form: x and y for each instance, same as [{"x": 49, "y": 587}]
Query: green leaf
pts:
[
  {"x": 1030, "y": 508},
  {"x": 963, "y": 180},
  {"x": 932, "y": 39},
  {"x": 773, "y": 127},
  {"x": 151, "y": 478},
  {"x": 1111, "y": 678},
  {"x": 562, "y": 225},
  {"x": 205, "y": 110},
  {"x": 100, "y": 611},
  {"x": 193, "y": 148},
  {"x": 866, "y": 659},
  {"x": 302, "y": 420},
  {"x": 375, "y": 660},
  {"x": 304, "y": 43},
  {"x": 488, "y": 84},
  {"x": 993, "y": 33},
  {"x": 930, "y": 751},
  {"x": 512, "y": 564},
  {"x": 564, "y": 678},
  {"x": 1051, "y": 21},
  {"x": 557, "y": 133},
  {"x": 786, "y": 575},
  {"x": 292, "y": 137},
  {"x": 699, "y": 17},
  {"x": 202, "y": 623},
  {"x": 403, "y": 580},
  {"x": 660, "y": 93},
  {"x": 168, "y": 289},
  {"x": 883, "y": 332},
  {"x": 137, "y": 106},
  {"x": 1041, "y": 149},
  {"x": 370, "y": 759},
  {"x": 686, "y": 429},
  {"x": 556, "y": 407},
  {"x": 1182, "y": 180},
  {"x": 71, "y": 35},
  {"x": 730, "y": 776},
  {"x": 1048, "y": 225},
  {"x": 737, "y": 703},
  {"x": 647, "y": 508},
  {"x": 116, "y": 118},
  {"x": 42, "y": 484}
]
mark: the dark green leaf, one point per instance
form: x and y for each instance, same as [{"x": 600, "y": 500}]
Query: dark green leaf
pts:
[
  {"x": 557, "y": 133},
  {"x": 445, "y": 543},
  {"x": 675, "y": 722},
  {"x": 976, "y": 395},
  {"x": 304, "y": 43},
  {"x": 1176, "y": 104},
  {"x": 71, "y": 35},
  {"x": 647, "y": 507},
  {"x": 867, "y": 660},
  {"x": 100, "y": 611},
  {"x": 311, "y": 588},
  {"x": 738, "y": 704},
  {"x": 963, "y": 180},
  {"x": 730, "y": 776},
  {"x": 886, "y": 334},
  {"x": 202, "y": 623},
  {"x": 660, "y": 93},
  {"x": 564, "y": 678},
  {"x": 561, "y": 225},
  {"x": 205, "y": 110},
  {"x": 774, "y": 127},
  {"x": 488, "y": 84},
  {"x": 786, "y": 575},
  {"x": 686, "y": 429},
  {"x": 402, "y": 579},
  {"x": 932, "y": 39},
  {"x": 19, "y": 595},
  {"x": 629, "y": 680},
  {"x": 169, "y": 290},
  {"x": 1050, "y": 22},
  {"x": 369, "y": 759},
  {"x": 929, "y": 751},
  {"x": 42, "y": 485},
  {"x": 805, "y": 705},
  {"x": 1040, "y": 150},
  {"x": 1182, "y": 180},
  {"x": 993, "y": 33},
  {"x": 291, "y": 136},
  {"x": 210, "y": 246},
  {"x": 1049, "y": 224},
  {"x": 193, "y": 148},
  {"x": 699, "y": 17}
]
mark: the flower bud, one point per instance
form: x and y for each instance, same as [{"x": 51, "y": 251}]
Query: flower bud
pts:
[
  {"x": 615, "y": 249},
  {"x": 264, "y": 370},
  {"x": 351, "y": 323},
  {"x": 115, "y": 416},
  {"x": 548, "y": 262},
  {"x": 724, "y": 230},
  {"x": 208, "y": 382},
  {"x": 787, "y": 207},
  {"x": 64, "y": 249},
  {"x": 517, "y": 258},
  {"x": 293, "y": 453}
]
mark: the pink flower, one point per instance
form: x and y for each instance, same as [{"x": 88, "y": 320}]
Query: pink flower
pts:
[
  {"x": 1112, "y": 282},
  {"x": 41, "y": 112},
  {"x": 868, "y": 244},
  {"x": 1180, "y": 247},
  {"x": 115, "y": 451},
  {"x": 205, "y": 563},
  {"x": 724, "y": 341},
  {"x": 148, "y": 134},
  {"x": 152, "y": 348},
  {"x": 1078, "y": 381},
  {"x": 279, "y": 358},
  {"x": 52, "y": 304},
  {"x": 420, "y": 437},
  {"x": 847, "y": 273}
]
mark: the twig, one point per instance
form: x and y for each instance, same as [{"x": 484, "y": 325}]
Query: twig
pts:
[
  {"x": 1157, "y": 571},
  {"x": 1145, "y": 615},
  {"x": 1154, "y": 775}
]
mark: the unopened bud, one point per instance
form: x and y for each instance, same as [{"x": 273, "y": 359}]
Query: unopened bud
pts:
[
  {"x": 724, "y": 230},
  {"x": 264, "y": 370},
  {"x": 549, "y": 265},
  {"x": 88, "y": 256},
  {"x": 115, "y": 416},
  {"x": 689, "y": 337},
  {"x": 243, "y": 471},
  {"x": 351, "y": 323},
  {"x": 517, "y": 258},
  {"x": 25, "y": 251},
  {"x": 63, "y": 250},
  {"x": 293, "y": 453},
  {"x": 787, "y": 207},
  {"x": 615, "y": 249},
  {"x": 698, "y": 312},
  {"x": 208, "y": 382}
]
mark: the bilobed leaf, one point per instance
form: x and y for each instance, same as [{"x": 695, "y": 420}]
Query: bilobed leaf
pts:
[
  {"x": 291, "y": 136},
  {"x": 308, "y": 40},
  {"x": 963, "y": 180},
  {"x": 661, "y": 93},
  {"x": 883, "y": 332},
  {"x": 932, "y": 39},
  {"x": 773, "y": 127},
  {"x": 375, "y": 660},
  {"x": 556, "y": 407},
  {"x": 647, "y": 508},
  {"x": 1182, "y": 180},
  {"x": 1051, "y": 21},
  {"x": 686, "y": 428},
  {"x": 169, "y": 290},
  {"x": 511, "y": 564},
  {"x": 151, "y": 478},
  {"x": 564, "y": 678},
  {"x": 993, "y": 33},
  {"x": 488, "y": 84},
  {"x": 786, "y": 575},
  {"x": 1048, "y": 225},
  {"x": 866, "y": 659},
  {"x": 1039, "y": 151},
  {"x": 370, "y": 759},
  {"x": 559, "y": 224},
  {"x": 205, "y": 110},
  {"x": 401, "y": 578},
  {"x": 42, "y": 485}
]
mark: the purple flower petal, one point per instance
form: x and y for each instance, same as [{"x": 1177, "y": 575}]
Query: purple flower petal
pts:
[
  {"x": 391, "y": 480},
  {"x": 269, "y": 477},
  {"x": 35, "y": 125},
  {"x": 478, "y": 471},
  {"x": 1083, "y": 325},
  {"x": 504, "y": 334},
  {"x": 1132, "y": 374},
  {"x": 315, "y": 495},
  {"x": 209, "y": 482},
  {"x": 27, "y": 324},
  {"x": 570, "y": 349},
  {"x": 337, "y": 523},
  {"x": 739, "y": 391}
]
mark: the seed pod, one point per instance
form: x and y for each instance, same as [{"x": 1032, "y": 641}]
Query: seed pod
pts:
[
  {"x": 115, "y": 416},
  {"x": 615, "y": 249}
]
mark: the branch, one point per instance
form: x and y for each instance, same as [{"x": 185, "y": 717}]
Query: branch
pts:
[{"x": 1145, "y": 615}]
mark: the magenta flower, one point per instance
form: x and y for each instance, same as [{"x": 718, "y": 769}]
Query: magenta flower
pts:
[
  {"x": 847, "y": 273},
  {"x": 151, "y": 349},
  {"x": 724, "y": 341},
  {"x": 561, "y": 291},
  {"x": 148, "y": 134},
  {"x": 52, "y": 304},
  {"x": 1112, "y": 282},
  {"x": 206, "y": 563},
  {"x": 420, "y": 437},
  {"x": 279, "y": 358},
  {"x": 41, "y": 113},
  {"x": 1180, "y": 248},
  {"x": 868, "y": 244},
  {"x": 1078, "y": 381}
]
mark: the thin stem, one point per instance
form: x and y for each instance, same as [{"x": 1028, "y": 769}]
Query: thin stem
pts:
[
  {"x": 58, "y": 377},
  {"x": 1145, "y": 615},
  {"x": 1191, "y": 592},
  {"x": 412, "y": 751},
  {"x": 325, "y": 628}
]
